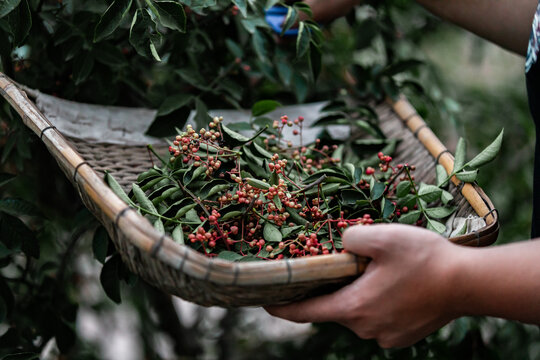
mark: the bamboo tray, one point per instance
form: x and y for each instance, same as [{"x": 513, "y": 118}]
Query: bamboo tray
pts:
[{"x": 179, "y": 270}]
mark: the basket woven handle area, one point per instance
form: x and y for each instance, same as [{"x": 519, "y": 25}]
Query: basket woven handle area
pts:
[{"x": 481, "y": 204}]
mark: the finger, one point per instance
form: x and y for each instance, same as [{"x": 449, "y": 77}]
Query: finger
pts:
[
  {"x": 376, "y": 240},
  {"x": 367, "y": 240},
  {"x": 331, "y": 307}
]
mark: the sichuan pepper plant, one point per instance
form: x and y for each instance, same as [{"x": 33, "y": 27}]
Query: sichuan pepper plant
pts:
[
  {"x": 263, "y": 197},
  {"x": 174, "y": 56}
]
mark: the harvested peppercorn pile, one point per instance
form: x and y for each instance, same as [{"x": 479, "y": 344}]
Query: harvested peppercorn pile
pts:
[{"x": 261, "y": 197}]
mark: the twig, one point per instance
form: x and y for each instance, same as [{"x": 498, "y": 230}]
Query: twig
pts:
[{"x": 309, "y": 186}]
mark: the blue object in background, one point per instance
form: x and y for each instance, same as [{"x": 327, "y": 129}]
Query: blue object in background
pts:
[{"x": 275, "y": 16}]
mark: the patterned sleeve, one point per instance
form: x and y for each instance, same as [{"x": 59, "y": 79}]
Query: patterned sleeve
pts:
[{"x": 534, "y": 45}]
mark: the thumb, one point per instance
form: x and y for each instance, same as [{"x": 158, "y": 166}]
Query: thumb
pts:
[{"x": 373, "y": 240}]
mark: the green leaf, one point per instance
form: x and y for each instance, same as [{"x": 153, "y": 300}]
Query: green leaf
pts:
[
  {"x": 232, "y": 138},
  {"x": 193, "y": 77},
  {"x": 158, "y": 225},
  {"x": 263, "y": 107},
  {"x": 440, "y": 212},
  {"x": 350, "y": 197},
  {"x": 403, "y": 188},
  {"x": 327, "y": 189},
  {"x": 410, "y": 218},
  {"x": 271, "y": 233},
  {"x": 400, "y": 67},
  {"x": 100, "y": 244},
  {"x": 229, "y": 255},
  {"x": 242, "y": 6},
  {"x": 5, "y": 178},
  {"x": 144, "y": 35},
  {"x": 192, "y": 216},
  {"x": 259, "y": 184},
  {"x": 262, "y": 151},
  {"x": 21, "y": 356},
  {"x": 7, "y": 6},
  {"x": 377, "y": 190},
  {"x": 232, "y": 215},
  {"x": 184, "y": 210},
  {"x": 178, "y": 234},
  {"x": 193, "y": 174},
  {"x": 441, "y": 175},
  {"x": 20, "y": 22},
  {"x": 459, "y": 158},
  {"x": 429, "y": 193},
  {"x": 18, "y": 207},
  {"x": 467, "y": 175},
  {"x": 303, "y": 7},
  {"x": 109, "y": 55},
  {"x": 301, "y": 87},
  {"x": 202, "y": 119},
  {"x": 302, "y": 40},
  {"x": 111, "y": 19},
  {"x": 488, "y": 154},
  {"x": 110, "y": 278},
  {"x": 82, "y": 67},
  {"x": 15, "y": 234},
  {"x": 240, "y": 126},
  {"x": 387, "y": 208},
  {"x": 290, "y": 230},
  {"x": 290, "y": 19},
  {"x": 436, "y": 226},
  {"x": 390, "y": 87},
  {"x": 234, "y": 48},
  {"x": 171, "y": 15},
  {"x": 285, "y": 72},
  {"x": 3, "y": 310},
  {"x": 143, "y": 201},
  {"x": 261, "y": 45},
  {"x": 315, "y": 60},
  {"x": 446, "y": 197},
  {"x": 117, "y": 189},
  {"x": 296, "y": 218},
  {"x": 217, "y": 189}
]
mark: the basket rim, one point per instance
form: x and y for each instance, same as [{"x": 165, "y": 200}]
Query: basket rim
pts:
[{"x": 144, "y": 236}]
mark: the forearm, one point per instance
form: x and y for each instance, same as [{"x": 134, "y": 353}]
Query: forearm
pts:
[
  {"x": 327, "y": 10},
  {"x": 504, "y": 22},
  {"x": 503, "y": 281}
]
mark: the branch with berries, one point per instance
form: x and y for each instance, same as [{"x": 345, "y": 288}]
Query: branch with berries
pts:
[{"x": 261, "y": 197}]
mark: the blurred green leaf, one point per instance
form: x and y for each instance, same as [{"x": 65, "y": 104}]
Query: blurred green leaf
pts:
[
  {"x": 303, "y": 40},
  {"x": 111, "y": 19},
  {"x": 100, "y": 244},
  {"x": 7, "y": 6},
  {"x": 263, "y": 107},
  {"x": 18, "y": 207},
  {"x": 488, "y": 154},
  {"x": 174, "y": 102},
  {"x": 459, "y": 157},
  {"x": 171, "y": 15},
  {"x": 20, "y": 22},
  {"x": 6, "y": 178},
  {"x": 144, "y": 35},
  {"x": 110, "y": 279}
]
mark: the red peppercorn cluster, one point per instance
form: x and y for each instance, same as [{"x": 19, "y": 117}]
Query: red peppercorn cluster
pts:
[{"x": 251, "y": 215}]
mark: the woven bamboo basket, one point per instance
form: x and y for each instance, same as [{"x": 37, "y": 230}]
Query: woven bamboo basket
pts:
[{"x": 179, "y": 270}]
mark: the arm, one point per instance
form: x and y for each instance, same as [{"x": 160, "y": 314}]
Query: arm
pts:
[
  {"x": 326, "y": 10},
  {"x": 504, "y": 22},
  {"x": 417, "y": 282}
]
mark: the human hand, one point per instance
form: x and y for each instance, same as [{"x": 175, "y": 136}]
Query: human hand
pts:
[{"x": 405, "y": 294}]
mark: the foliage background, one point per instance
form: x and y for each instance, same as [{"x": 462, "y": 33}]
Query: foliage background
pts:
[{"x": 58, "y": 296}]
